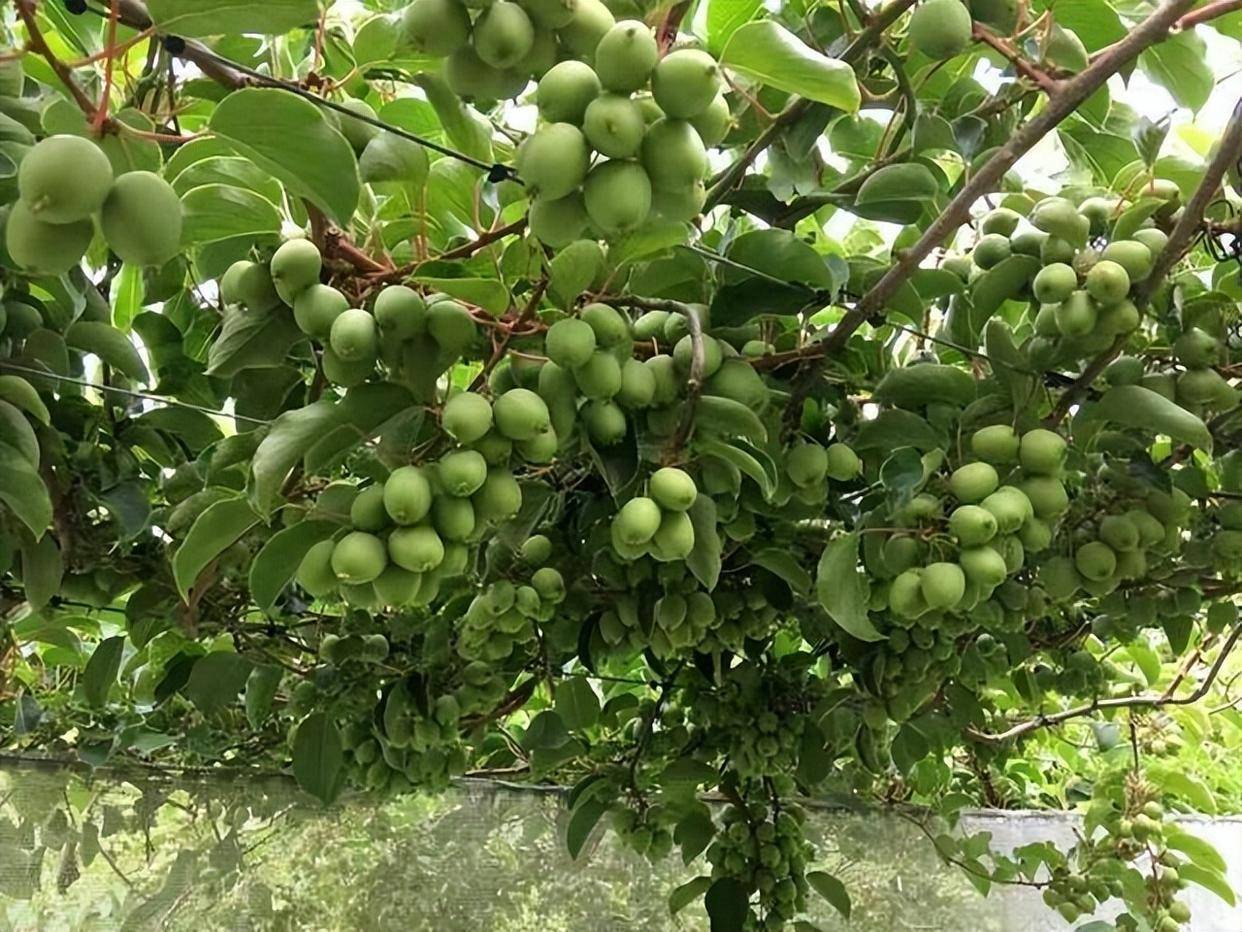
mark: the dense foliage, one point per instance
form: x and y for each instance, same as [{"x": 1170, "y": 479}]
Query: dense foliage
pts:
[{"x": 395, "y": 394}]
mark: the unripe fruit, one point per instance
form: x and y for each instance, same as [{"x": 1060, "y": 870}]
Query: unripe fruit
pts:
[
  {"x": 1131, "y": 255},
  {"x": 1047, "y": 496},
  {"x": 537, "y": 548},
  {"x": 471, "y": 78},
  {"x": 605, "y": 422},
  {"x": 503, "y": 34},
  {"x": 973, "y": 482},
  {"x": 1155, "y": 240},
  {"x": 650, "y": 325},
  {"x": 617, "y": 196},
  {"x": 1196, "y": 349},
  {"x": 295, "y": 266},
  {"x": 905, "y": 594},
  {"x": 557, "y": 222},
  {"x": 843, "y": 462},
  {"x": 317, "y": 308},
  {"x": 683, "y": 203},
  {"x": 637, "y": 521},
  {"x": 141, "y": 219},
  {"x": 1120, "y": 533},
  {"x": 672, "y": 489},
  {"x": 358, "y": 558},
  {"x": 1055, "y": 249},
  {"x": 675, "y": 537},
  {"x": 342, "y": 372},
  {"x": 1060, "y": 218},
  {"x": 610, "y": 325},
  {"x": 315, "y": 573},
  {"x": 1095, "y": 560},
  {"x": 453, "y": 518},
  {"x": 417, "y": 549},
  {"x": 943, "y": 584},
  {"x": 614, "y": 125},
  {"x": 64, "y": 179},
  {"x": 1028, "y": 243},
  {"x": 626, "y": 56},
  {"x": 673, "y": 154},
  {"x": 569, "y": 342},
  {"x": 713, "y": 124},
  {"x": 407, "y": 495},
  {"x": 995, "y": 444},
  {"x": 451, "y": 326},
  {"x": 664, "y": 371},
  {"x": 356, "y": 132},
  {"x": 1035, "y": 535},
  {"x": 45, "y": 248},
  {"x": 683, "y": 355},
  {"x": 400, "y": 313},
  {"x": 1107, "y": 282},
  {"x": 462, "y": 472},
  {"x": 972, "y": 525},
  {"x": 354, "y": 337},
  {"x": 1054, "y": 283},
  {"x": 582, "y": 34},
  {"x": 940, "y": 29},
  {"x": 553, "y": 161},
  {"x": 1059, "y": 578},
  {"x": 1010, "y": 507},
  {"x": 1042, "y": 452},
  {"x": 466, "y": 417},
  {"x": 685, "y": 83},
  {"x": 806, "y": 464},
  {"x": 550, "y": 14},
  {"x": 520, "y": 414},
  {"x": 565, "y": 91},
  {"x": 600, "y": 376},
  {"x": 1010, "y": 550},
  {"x": 549, "y": 583},
  {"x": 1076, "y": 316},
  {"x": 738, "y": 380},
  {"x": 637, "y": 385},
  {"x": 499, "y": 498},
  {"x": 367, "y": 512},
  {"x": 435, "y": 27},
  {"x": 1125, "y": 370},
  {"x": 983, "y": 566},
  {"x": 396, "y": 586},
  {"x": 991, "y": 250}
]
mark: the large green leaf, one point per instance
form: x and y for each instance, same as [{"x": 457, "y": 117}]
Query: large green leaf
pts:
[
  {"x": 217, "y": 528},
  {"x": 291, "y": 138},
  {"x": 725, "y": 17},
  {"x": 772, "y": 55},
  {"x": 318, "y": 757},
  {"x": 1141, "y": 408},
  {"x": 843, "y": 589},
  {"x": 1180, "y": 63},
  {"x": 101, "y": 670},
  {"x": 215, "y": 212},
  {"x": 276, "y": 563},
  {"x": 231, "y": 17},
  {"x": 23, "y": 490},
  {"x": 42, "y": 570},
  {"x": 110, "y": 345},
  {"x": 216, "y": 679}
]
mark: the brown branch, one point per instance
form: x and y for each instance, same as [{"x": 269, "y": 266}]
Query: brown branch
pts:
[
  {"x": 26, "y": 11},
  {"x": 133, "y": 13},
  {"x": 461, "y": 252},
  {"x": 1208, "y": 11},
  {"x": 502, "y": 344},
  {"x": 1124, "y": 702},
  {"x": 1070, "y": 94},
  {"x": 1021, "y": 65}
]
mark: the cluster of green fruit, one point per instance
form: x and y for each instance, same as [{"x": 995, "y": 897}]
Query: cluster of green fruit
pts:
[
  {"x": 657, "y": 524},
  {"x": 363, "y": 648},
  {"x": 64, "y": 183},
  {"x": 653, "y": 148},
  {"x": 1198, "y": 386},
  {"x": 767, "y": 854},
  {"x": 943, "y": 29},
  {"x": 648, "y": 832},
  {"x": 502, "y": 617}
]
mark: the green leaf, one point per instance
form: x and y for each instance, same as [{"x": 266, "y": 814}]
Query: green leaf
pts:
[
  {"x": 716, "y": 414},
  {"x": 891, "y": 429},
  {"x": 101, "y": 670},
  {"x": 728, "y": 905},
  {"x": 42, "y": 570},
  {"x": 909, "y": 747},
  {"x": 772, "y": 55},
  {"x": 694, "y": 832},
  {"x": 1208, "y": 879},
  {"x": 217, "y": 528},
  {"x": 1146, "y": 659},
  {"x": 654, "y": 236},
  {"x": 1180, "y": 64},
  {"x": 215, "y": 212},
  {"x": 1133, "y": 217},
  {"x": 1199, "y": 851},
  {"x": 231, "y": 17},
  {"x": 572, "y": 269},
  {"x": 110, "y": 345},
  {"x": 318, "y": 757},
  {"x": 687, "y": 893},
  {"x": 704, "y": 559},
  {"x": 725, "y": 17},
  {"x": 127, "y": 294},
  {"x": 277, "y": 562},
  {"x": 216, "y": 679},
  {"x": 746, "y": 462},
  {"x": 1003, "y": 281},
  {"x": 469, "y": 133},
  {"x": 576, "y": 703},
  {"x": 23, "y": 490},
  {"x": 291, "y": 138},
  {"x": 261, "y": 688},
  {"x": 786, "y": 566},
  {"x": 17, "y": 391},
  {"x": 582, "y": 822},
  {"x": 1186, "y": 787},
  {"x": 902, "y": 473},
  {"x": 896, "y": 193},
  {"x": 546, "y": 732},
  {"x": 831, "y": 890},
  {"x": 252, "y": 341},
  {"x": 920, "y": 385},
  {"x": 843, "y": 590},
  {"x": 1141, "y": 408},
  {"x": 487, "y": 293},
  {"x": 1095, "y": 22}
]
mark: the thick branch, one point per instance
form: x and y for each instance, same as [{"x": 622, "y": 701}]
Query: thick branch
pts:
[
  {"x": 1021, "y": 65},
  {"x": 1207, "y": 12},
  {"x": 133, "y": 13},
  {"x": 26, "y": 11},
  {"x": 1069, "y": 96}
]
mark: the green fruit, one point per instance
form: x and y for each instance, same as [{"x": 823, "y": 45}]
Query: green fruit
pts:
[
  {"x": 611, "y": 327},
  {"x": 250, "y": 285},
  {"x": 549, "y": 583},
  {"x": 673, "y": 154},
  {"x": 1060, "y": 218},
  {"x": 542, "y": 55},
  {"x": 316, "y": 309},
  {"x": 471, "y": 78},
  {"x": 315, "y": 573},
  {"x": 738, "y": 380},
  {"x": 495, "y": 448},
  {"x": 1155, "y": 240},
  {"x": 940, "y": 29},
  {"x": 605, "y": 422},
  {"x": 1055, "y": 249},
  {"x": 537, "y": 548},
  {"x": 1095, "y": 560},
  {"x": 407, "y": 495},
  {"x": 600, "y": 376},
  {"x": 674, "y": 539},
  {"x": 358, "y": 558},
  {"x": 713, "y": 356},
  {"x": 1107, "y": 282},
  {"x": 626, "y": 56},
  {"x": 65, "y": 179},
  {"x": 45, "y": 248},
  {"x": 1200, "y": 386},
  {"x": 540, "y": 448},
  {"x": 1120, "y": 533},
  {"x": 983, "y": 566},
  {"x": 905, "y": 594},
  {"x": 1076, "y": 316},
  {"x": 1010, "y": 550},
  {"x": 843, "y": 462},
  {"x": 569, "y": 342},
  {"x": 565, "y": 92},
  {"x": 1054, "y": 283},
  {"x": 806, "y": 464},
  {"x": 354, "y": 336},
  {"x": 553, "y": 161},
  {"x": 667, "y": 384},
  {"x": 550, "y": 14},
  {"x": 1042, "y": 452},
  {"x": 435, "y": 27},
  {"x": 617, "y": 196},
  {"x": 972, "y": 525},
  {"x": 1010, "y": 507},
  {"x": 295, "y": 266},
  {"x": 995, "y": 444},
  {"x": 714, "y": 123},
  {"x": 1035, "y": 535},
  {"x": 681, "y": 204},
  {"x": 672, "y": 489},
  {"x": 685, "y": 82},
  {"x": 141, "y": 219},
  {"x": 396, "y": 586},
  {"x": 1001, "y": 15},
  {"x": 367, "y": 511},
  {"x": 343, "y": 372},
  {"x": 466, "y": 417},
  {"x": 417, "y": 549},
  {"x": 991, "y": 250},
  {"x": 614, "y": 126},
  {"x": 582, "y": 34},
  {"x": 453, "y": 518},
  {"x": 451, "y": 326},
  {"x": 520, "y": 414},
  {"x": 650, "y": 326},
  {"x": 462, "y": 472},
  {"x": 1001, "y": 221},
  {"x": 1047, "y": 496},
  {"x": 503, "y": 34},
  {"x": 1125, "y": 370},
  {"x": 1132, "y": 256},
  {"x": 1196, "y": 349},
  {"x": 637, "y": 385},
  {"x": 1028, "y": 243},
  {"x": 1064, "y": 49},
  {"x": 499, "y": 498},
  {"x": 357, "y": 132},
  {"x": 557, "y": 222},
  {"x": 973, "y": 482},
  {"x": 637, "y": 521},
  {"x": 943, "y": 584}
]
